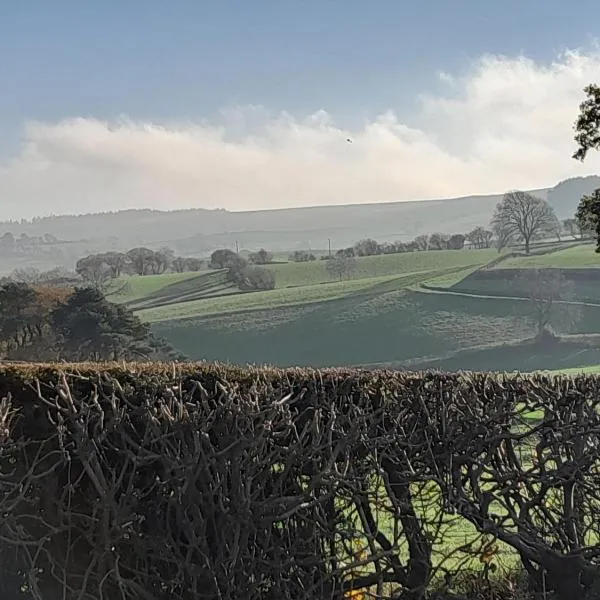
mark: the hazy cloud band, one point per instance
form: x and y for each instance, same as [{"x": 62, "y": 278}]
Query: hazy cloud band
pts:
[{"x": 506, "y": 123}]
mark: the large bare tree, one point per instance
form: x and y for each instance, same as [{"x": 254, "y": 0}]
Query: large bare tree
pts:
[{"x": 524, "y": 217}]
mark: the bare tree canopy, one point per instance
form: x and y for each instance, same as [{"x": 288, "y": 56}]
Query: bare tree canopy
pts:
[
  {"x": 524, "y": 217},
  {"x": 341, "y": 266}
]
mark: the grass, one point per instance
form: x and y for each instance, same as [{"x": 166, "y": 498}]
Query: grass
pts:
[
  {"x": 451, "y": 279},
  {"x": 589, "y": 370},
  {"x": 136, "y": 287},
  {"x": 285, "y": 297},
  {"x": 310, "y": 273},
  {"x": 582, "y": 256},
  {"x": 511, "y": 283},
  {"x": 379, "y": 316},
  {"x": 564, "y": 356},
  {"x": 357, "y": 329}
]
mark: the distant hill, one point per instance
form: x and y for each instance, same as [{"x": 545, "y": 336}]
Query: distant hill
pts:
[
  {"x": 198, "y": 231},
  {"x": 565, "y": 196}
]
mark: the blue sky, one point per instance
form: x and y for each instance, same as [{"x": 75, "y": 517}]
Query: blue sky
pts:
[
  {"x": 187, "y": 59},
  {"x": 157, "y": 61}
]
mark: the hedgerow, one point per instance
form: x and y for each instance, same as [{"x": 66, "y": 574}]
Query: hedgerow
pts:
[{"x": 203, "y": 481}]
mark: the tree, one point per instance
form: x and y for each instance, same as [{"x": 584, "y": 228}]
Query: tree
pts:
[
  {"x": 571, "y": 226},
  {"x": 503, "y": 237},
  {"x": 26, "y": 275},
  {"x": 7, "y": 241},
  {"x": 162, "y": 260},
  {"x": 524, "y": 217},
  {"x": 235, "y": 271},
  {"x": 341, "y": 266},
  {"x": 193, "y": 264},
  {"x": 348, "y": 252},
  {"x": 89, "y": 327},
  {"x": 588, "y": 215},
  {"x": 587, "y": 137},
  {"x": 181, "y": 264},
  {"x": 24, "y": 318},
  {"x": 141, "y": 260},
  {"x": 456, "y": 242},
  {"x": 94, "y": 270},
  {"x": 438, "y": 241},
  {"x": 117, "y": 261},
  {"x": 262, "y": 257},
  {"x": 302, "y": 256},
  {"x": 17, "y": 314},
  {"x": 223, "y": 259},
  {"x": 480, "y": 238},
  {"x": 587, "y": 125},
  {"x": 421, "y": 242},
  {"x": 178, "y": 265},
  {"x": 256, "y": 278},
  {"x": 551, "y": 298},
  {"x": 367, "y": 247}
]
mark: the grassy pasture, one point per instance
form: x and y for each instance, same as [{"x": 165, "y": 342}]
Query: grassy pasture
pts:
[
  {"x": 575, "y": 257},
  {"x": 377, "y": 316},
  {"x": 310, "y": 273}
]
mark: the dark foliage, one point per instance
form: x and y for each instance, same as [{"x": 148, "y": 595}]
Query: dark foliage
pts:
[{"x": 42, "y": 322}]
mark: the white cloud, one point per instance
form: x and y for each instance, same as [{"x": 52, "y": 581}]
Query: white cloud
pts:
[{"x": 506, "y": 123}]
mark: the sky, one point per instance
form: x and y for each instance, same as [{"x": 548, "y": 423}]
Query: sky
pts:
[{"x": 249, "y": 105}]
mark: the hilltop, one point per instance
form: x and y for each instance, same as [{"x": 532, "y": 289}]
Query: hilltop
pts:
[
  {"x": 196, "y": 232},
  {"x": 284, "y": 229}
]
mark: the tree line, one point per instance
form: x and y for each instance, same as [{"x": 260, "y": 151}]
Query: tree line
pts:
[{"x": 100, "y": 269}]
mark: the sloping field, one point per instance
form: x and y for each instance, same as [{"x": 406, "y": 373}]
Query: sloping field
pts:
[
  {"x": 561, "y": 356},
  {"x": 579, "y": 256},
  {"x": 299, "y": 274},
  {"x": 358, "y": 329},
  {"x": 134, "y": 288},
  {"x": 584, "y": 283},
  {"x": 286, "y": 297}
]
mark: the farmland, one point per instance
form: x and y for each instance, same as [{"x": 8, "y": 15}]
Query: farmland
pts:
[{"x": 445, "y": 309}]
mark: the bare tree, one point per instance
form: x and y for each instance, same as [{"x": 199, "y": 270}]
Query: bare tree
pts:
[
  {"x": 551, "y": 297},
  {"x": 262, "y": 257},
  {"x": 162, "y": 260},
  {"x": 421, "y": 242},
  {"x": 141, "y": 260},
  {"x": 341, "y": 266},
  {"x": 573, "y": 228},
  {"x": 438, "y": 241},
  {"x": 522, "y": 216},
  {"x": 95, "y": 271},
  {"x": 26, "y": 275}
]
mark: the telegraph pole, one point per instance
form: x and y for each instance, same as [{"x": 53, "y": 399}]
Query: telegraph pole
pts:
[{"x": 329, "y": 241}]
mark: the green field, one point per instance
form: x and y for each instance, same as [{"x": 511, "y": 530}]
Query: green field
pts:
[
  {"x": 392, "y": 327},
  {"x": 135, "y": 287},
  {"x": 381, "y": 315},
  {"x": 299, "y": 274},
  {"x": 576, "y": 257}
]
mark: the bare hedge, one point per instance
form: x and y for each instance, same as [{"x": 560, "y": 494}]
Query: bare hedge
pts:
[{"x": 197, "y": 481}]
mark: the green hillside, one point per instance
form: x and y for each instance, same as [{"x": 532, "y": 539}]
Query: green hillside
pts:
[{"x": 446, "y": 308}]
